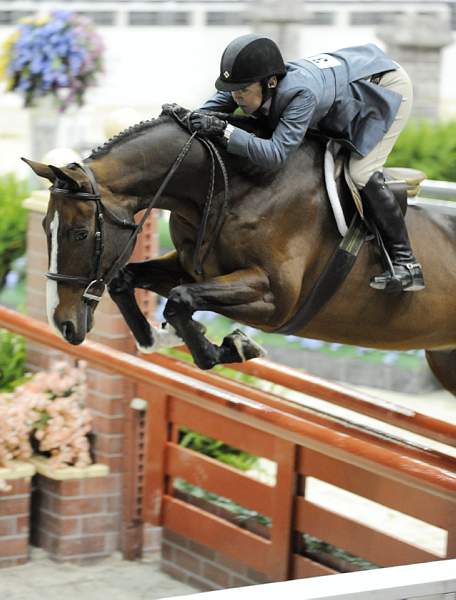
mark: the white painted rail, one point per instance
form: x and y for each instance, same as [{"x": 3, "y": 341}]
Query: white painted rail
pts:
[
  {"x": 442, "y": 190},
  {"x": 427, "y": 581}
]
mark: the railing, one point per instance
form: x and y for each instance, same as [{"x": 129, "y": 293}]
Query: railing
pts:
[
  {"x": 436, "y": 581},
  {"x": 304, "y": 444},
  {"x": 438, "y": 190}
]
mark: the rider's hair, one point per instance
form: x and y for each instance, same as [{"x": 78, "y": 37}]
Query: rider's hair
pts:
[{"x": 265, "y": 89}]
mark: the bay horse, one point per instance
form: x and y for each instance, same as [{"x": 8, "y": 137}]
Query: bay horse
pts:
[{"x": 276, "y": 237}]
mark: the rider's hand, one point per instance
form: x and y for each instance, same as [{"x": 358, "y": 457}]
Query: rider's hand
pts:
[{"x": 206, "y": 125}]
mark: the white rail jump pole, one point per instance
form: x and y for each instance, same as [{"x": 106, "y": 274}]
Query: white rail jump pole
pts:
[{"x": 426, "y": 581}]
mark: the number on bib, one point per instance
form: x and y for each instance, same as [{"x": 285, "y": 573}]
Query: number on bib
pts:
[{"x": 324, "y": 61}]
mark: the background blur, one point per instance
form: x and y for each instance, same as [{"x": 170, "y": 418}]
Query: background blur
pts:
[{"x": 163, "y": 51}]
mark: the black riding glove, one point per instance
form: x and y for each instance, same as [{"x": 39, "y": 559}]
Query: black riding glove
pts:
[{"x": 206, "y": 125}]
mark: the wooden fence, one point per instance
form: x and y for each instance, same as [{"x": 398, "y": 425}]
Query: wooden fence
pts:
[{"x": 303, "y": 444}]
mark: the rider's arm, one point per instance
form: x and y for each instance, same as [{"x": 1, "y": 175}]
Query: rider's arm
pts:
[
  {"x": 288, "y": 135},
  {"x": 221, "y": 102}
]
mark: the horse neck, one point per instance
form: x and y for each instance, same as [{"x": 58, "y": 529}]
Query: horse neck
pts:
[{"x": 132, "y": 171}]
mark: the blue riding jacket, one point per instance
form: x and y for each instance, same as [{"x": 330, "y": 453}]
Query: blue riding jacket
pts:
[{"x": 331, "y": 93}]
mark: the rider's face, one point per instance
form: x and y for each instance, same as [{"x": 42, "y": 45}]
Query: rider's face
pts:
[{"x": 249, "y": 98}]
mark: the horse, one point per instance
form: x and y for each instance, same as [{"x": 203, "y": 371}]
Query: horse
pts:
[{"x": 276, "y": 236}]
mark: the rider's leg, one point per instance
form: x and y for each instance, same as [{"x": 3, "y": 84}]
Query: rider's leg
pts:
[
  {"x": 383, "y": 209},
  {"x": 380, "y": 203}
]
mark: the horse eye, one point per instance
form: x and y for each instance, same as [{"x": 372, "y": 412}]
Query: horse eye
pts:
[{"x": 78, "y": 236}]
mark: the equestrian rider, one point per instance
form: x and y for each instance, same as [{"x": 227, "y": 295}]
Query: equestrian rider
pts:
[{"x": 357, "y": 95}]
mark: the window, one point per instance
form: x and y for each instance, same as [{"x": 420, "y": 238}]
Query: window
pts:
[
  {"x": 99, "y": 17},
  {"x": 159, "y": 18},
  {"x": 372, "y": 18},
  {"x": 318, "y": 18},
  {"x": 10, "y": 17},
  {"x": 225, "y": 18}
]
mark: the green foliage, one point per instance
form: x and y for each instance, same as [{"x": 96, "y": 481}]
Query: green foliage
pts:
[
  {"x": 315, "y": 548},
  {"x": 430, "y": 147},
  {"x": 12, "y": 360},
  {"x": 164, "y": 236},
  {"x": 13, "y": 222},
  {"x": 241, "y": 513},
  {"x": 216, "y": 449}
]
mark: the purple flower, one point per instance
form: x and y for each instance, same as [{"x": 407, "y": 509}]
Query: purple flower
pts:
[{"x": 62, "y": 56}]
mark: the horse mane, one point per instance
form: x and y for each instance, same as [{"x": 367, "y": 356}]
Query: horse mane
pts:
[
  {"x": 235, "y": 163},
  {"x": 125, "y": 135}
]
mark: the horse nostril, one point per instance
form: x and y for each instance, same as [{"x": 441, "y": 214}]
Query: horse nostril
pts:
[{"x": 68, "y": 330}]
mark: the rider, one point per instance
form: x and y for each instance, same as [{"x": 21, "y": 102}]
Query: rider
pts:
[{"x": 357, "y": 95}]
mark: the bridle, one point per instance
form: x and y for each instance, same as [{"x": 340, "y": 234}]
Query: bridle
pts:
[{"x": 96, "y": 283}]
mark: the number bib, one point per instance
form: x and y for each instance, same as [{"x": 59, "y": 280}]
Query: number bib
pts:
[{"x": 324, "y": 61}]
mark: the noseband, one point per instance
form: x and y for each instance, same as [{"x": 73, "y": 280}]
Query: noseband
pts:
[{"x": 97, "y": 282}]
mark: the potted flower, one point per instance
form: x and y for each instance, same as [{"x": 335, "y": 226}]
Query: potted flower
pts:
[
  {"x": 46, "y": 415},
  {"x": 51, "y": 60}
]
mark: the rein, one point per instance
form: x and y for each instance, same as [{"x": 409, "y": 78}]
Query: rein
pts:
[
  {"x": 216, "y": 160},
  {"x": 98, "y": 282}
]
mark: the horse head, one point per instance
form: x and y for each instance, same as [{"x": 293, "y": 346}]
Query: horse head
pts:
[{"x": 88, "y": 240}]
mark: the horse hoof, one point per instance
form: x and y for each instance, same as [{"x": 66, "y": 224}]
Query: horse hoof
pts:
[
  {"x": 164, "y": 337},
  {"x": 243, "y": 346}
]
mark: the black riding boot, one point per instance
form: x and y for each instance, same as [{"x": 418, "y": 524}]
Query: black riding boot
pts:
[{"x": 384, "y": 211}]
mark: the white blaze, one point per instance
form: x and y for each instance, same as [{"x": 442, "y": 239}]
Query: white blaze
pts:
[{"x": 52, "y": 294}]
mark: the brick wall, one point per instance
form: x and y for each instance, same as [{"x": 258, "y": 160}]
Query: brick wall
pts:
[
  {"x": 76, "y": 519},
  {"x": 109, "y": 395},
  {"x": 14, "y": 523},
  {"x": 203, "y": 567}
]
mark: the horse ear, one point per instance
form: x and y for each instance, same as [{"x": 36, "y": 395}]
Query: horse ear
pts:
[
  {"x": 40, "y": 169},
  {"x": 63, "y": 174}
]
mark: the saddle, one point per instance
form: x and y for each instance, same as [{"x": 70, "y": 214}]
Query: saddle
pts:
[{"x": 403, "y": 182}]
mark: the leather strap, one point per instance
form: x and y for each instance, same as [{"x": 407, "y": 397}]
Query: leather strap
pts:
[{"x": 331, "y": 278}]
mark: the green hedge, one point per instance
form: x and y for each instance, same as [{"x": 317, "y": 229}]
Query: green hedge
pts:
[
  {"x": 430, "y": 147},
  {"x": 12, "y": 360},
  {"x": 13, "y": 222}
]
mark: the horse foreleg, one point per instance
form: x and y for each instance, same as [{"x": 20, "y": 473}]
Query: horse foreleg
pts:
[
  {"x": 242, "y": 295},
  {"x": 443, "y": 365},
  {"x": 158, "y": 275}
]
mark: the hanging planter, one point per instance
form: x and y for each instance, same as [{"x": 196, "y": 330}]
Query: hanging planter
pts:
[{"x": 51, "y": 61}]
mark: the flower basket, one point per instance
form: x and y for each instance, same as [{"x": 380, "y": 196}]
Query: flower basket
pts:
[
  {"x": 43, "y": 466},
  {"x": 52, "y": 61},
  {"x": 47, "y": 415},
  {"x": 57, "y": 55}
]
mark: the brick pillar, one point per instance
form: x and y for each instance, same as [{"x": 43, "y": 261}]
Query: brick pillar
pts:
[
  {"x": 14, "y": 514},
  {"x": 75, "y": 516},
  {"x": 416, "y": 42},
  {"x": 109, "y": 394}
]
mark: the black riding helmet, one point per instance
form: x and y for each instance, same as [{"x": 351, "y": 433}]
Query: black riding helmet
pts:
[{"x": 247, "y": 59}]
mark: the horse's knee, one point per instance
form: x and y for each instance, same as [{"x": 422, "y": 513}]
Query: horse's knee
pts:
[
  {"x": 123, "y": 283},
  {"x": 180, "y": 303}
]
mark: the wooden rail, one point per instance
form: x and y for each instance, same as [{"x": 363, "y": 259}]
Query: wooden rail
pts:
[
  {"x": 359, "y": 402},
  {"x": 405, "y": 477}
]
